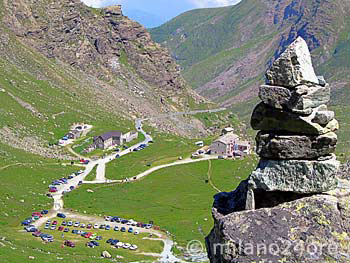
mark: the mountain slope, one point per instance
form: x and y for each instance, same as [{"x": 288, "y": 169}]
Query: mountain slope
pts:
[
  {"x": 62, "y": 62},
  {"x": 225, "y": 51}
]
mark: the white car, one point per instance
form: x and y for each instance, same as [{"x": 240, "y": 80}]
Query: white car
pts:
[
  {"x": 96, "y": 226},
  {"x": 126, "y": 245},
  {"x": 133, "y": 247},
  {"x": 136, "y": 232},
  {"x": 119, "y": 244},
  {"x": 76, "y": 224},
  {"x": 108, "y": 218}
]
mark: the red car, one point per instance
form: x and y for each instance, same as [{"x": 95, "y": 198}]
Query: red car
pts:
[
  {"x": 54, "y": 223},
  {"x": 60, "y": 228},
  {"x": 37, "y": 214},
  {"x": 88, "y": 235},
  {"x": 36, "y": 234},
  {"x": 53, "y": 190},
  {"x": 69, "y": 243}
]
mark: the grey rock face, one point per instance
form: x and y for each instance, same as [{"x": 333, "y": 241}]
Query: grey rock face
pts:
[
  {"x": 273, "y": 146},
  {"x": 321, "y": 220},
  {"x": 298, "y": 176},
  {"x": 323, "y": 117},
  {"x": 266, "y": 118},
  {"x": 293, "y": 67},
  {"x": 300, "y": 100}
]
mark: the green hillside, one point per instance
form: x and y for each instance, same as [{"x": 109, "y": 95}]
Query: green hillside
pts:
[{"x": 225, "y": 51}]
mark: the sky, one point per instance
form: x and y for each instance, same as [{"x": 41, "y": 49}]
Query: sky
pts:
[{"x": 153, "y": 13}]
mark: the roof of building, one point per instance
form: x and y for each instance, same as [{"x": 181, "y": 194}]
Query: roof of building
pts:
[
  {"x": 243, "y": 143},
  {"x": 227, "y": 138},
  {"x": 110, "y": 134},
  {"x": 228, "y": 129}
]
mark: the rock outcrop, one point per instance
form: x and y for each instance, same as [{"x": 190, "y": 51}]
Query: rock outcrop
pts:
[{"x": 293, "y": 207}]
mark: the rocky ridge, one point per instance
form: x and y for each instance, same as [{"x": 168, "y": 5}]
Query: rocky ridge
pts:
[
  {"x": 295, "y": 198},
  {"x": 90, "y": 57},
  {"x": 225, "y": 51}
]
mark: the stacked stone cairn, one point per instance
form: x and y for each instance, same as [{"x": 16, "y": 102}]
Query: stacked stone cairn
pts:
[{"x": 296, "y": 140}]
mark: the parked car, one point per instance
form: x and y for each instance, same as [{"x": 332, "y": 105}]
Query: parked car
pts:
[
  {"x": 133, "y": 247},
  {"x": 116, "y": 228},
  {"x": 70, "y": 223},
  {"x": 90, "y": 244},
  {"x": 123, "y": 229},
  {"x": 31, "y": 228},
  {"x": 61, "y": 228},
  {"x": 76, "y": 224},
  {"x": 88, "y": 235},
  {"x": 137, "y": 232},
  {"x": 61, "y": 215},
  {"x": 69, "y": 243},
  {"x": 108, "y": 227},
  {"x": 47, "y": 238},
  {"x": 109, "y": 241},
  {"x": 54, "y": 222},
  {"x": 26, "y": 223},
  {"x": 130, "y": 230},
  {"x": 89, "y": 226},
  {"x": 102, "y": 226},
  {"x": 37, "y": 233},
  {"x": 66, "y": 230},
  {"x": 82, "y": 225},
  {"x": 114, "y": 242},
  {"x": 126, "y": 245},
  {"x": 44, "y": 212},
  {"x": 53, "y": 227},
  {"x": 53, "y": 190},
  {"x": 98, "y": 238},
  {"x": 96, "y": 226}
]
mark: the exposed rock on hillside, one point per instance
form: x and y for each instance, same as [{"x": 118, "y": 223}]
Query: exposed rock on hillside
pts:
[
  {"x": 225, "y": 51},
  {"x": 94, "y": 57}
]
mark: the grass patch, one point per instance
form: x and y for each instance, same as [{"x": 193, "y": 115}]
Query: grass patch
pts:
[{"x": 178, "y": 198}]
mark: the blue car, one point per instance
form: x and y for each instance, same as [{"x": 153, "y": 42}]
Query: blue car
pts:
[
  {"x": 25, "y": 223},
  {"x": 44, "y": 212},
  {"x": 130, "y": 230},
  {"x": 114, "y": 242},
  {"x": 61, "y": 215}
]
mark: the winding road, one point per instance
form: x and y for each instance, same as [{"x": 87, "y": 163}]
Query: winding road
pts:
[{"x": 58, "y": 204}]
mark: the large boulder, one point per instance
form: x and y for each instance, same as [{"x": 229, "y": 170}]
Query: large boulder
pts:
[
  {"x": 298, "y": 176},
  {"x": 270, "y": 119},
  {"x": 299, "y": 100},
  {"x": 274, "y": 146},
  {"x": 293, "y": 67},
  {"x": 307, "y": 230}
]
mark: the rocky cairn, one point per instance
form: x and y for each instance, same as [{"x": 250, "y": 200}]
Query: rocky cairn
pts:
[
  {"x": 295, "y": 198},
  {"x": 296, "y": 139}
]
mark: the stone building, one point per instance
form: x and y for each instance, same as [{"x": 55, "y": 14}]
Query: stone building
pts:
[{"x": 108, "y": 139}]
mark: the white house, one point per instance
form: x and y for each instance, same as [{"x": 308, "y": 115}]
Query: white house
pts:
[
  {"x": 230, "y": 145},
  {"x": 224, "y": 144}
]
